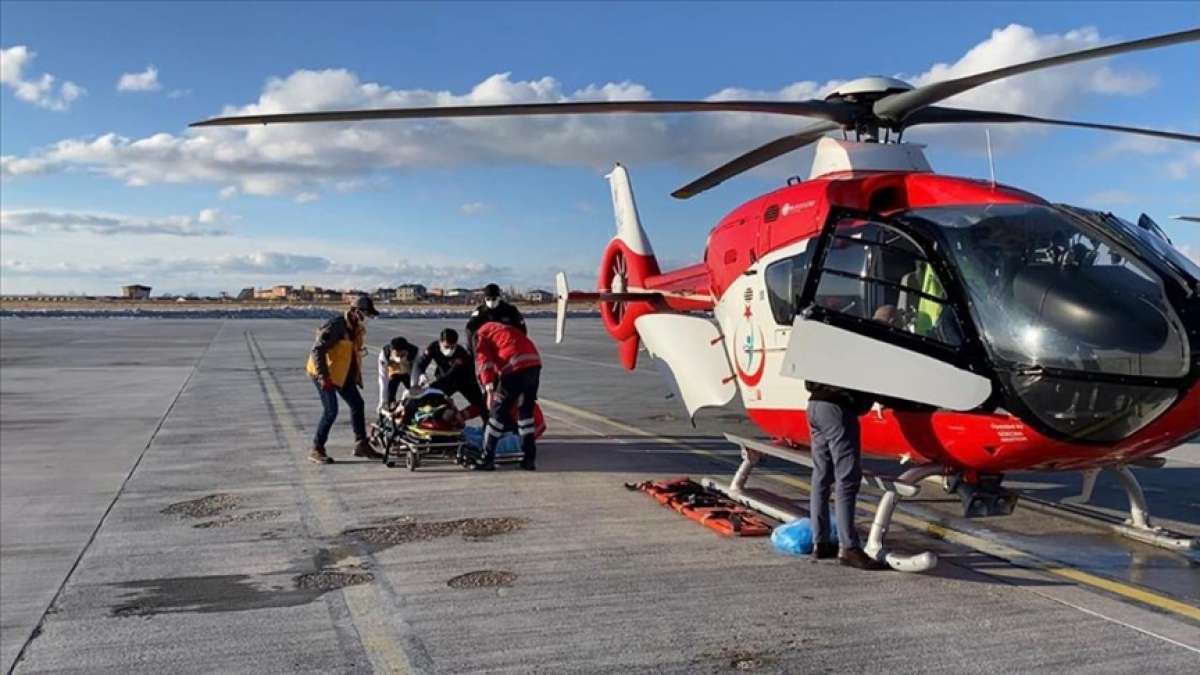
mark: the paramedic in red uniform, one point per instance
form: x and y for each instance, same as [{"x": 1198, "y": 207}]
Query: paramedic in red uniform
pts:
[{"x": 509, "y": 368}]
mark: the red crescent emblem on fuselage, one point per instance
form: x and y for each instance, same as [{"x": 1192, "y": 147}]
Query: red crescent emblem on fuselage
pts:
[{"x": 751, "y": 349}]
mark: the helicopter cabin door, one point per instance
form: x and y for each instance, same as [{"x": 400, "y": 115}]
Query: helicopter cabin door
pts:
[{"x": 874, "y": 317}]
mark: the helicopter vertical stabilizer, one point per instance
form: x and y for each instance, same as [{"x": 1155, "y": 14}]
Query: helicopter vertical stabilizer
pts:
[
  {"x": 629, "y": 225},
  {"x": 626, "y": 265}
]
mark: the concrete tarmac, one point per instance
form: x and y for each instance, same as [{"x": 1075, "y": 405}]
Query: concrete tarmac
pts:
[{"x": 157, "y": 515}]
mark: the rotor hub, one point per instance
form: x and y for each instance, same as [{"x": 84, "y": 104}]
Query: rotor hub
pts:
[{"x": 868, "y": 89}]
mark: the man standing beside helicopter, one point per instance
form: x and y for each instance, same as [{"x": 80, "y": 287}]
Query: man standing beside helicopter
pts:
[{"x": 837, "y": 463}]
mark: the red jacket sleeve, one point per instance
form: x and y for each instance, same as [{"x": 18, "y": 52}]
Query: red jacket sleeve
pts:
[{"x": 486, "y": 359}]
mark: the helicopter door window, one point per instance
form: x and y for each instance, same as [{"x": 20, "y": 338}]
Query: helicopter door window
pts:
[
  {"x": 785, "y": 280},
  {"x": 874, "y": 272}
]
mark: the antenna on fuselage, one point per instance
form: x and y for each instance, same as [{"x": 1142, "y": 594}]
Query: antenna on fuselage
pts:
[{"x": 991, "y": 164}]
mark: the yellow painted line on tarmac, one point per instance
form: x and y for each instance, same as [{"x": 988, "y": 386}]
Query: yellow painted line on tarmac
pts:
[
  {"x": 370, "y": 619},
  {"x": 1014, "y": 556}
]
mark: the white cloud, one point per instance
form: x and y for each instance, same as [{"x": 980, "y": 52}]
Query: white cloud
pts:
[
  {"x": 179, "y": 93},
  {"x": 1182, "y": 168},
  {"x": 259, "y": 268},
  {"x": 147, "y": 80},
  {"x": 34, "y": 222},
  {"x": 301, "y": 160},
  {"x": 1111, "y": 198},
  {"x": 39, "y": 91},
  {"x": 472, "y": 208},
  {"x": 307, "y": 197}
]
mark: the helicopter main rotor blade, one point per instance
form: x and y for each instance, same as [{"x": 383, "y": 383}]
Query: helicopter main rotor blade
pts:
[
  {"x": 1194, "y": 219},
  {"x": 898, "y": 106},
  {"x": 757, "y": 156},
  {"x": 813, "y": 108},
  {"x": 940, "y": 115}
]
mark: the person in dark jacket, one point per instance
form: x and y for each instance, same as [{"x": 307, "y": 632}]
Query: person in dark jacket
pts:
[
  {"x": 494, "y": 308},
  {"x": 396, "y": 361},
  {"x": 837, "y": 463},
  {"x": 454, "y": 372},
  {"x": 335, "y": 365}
]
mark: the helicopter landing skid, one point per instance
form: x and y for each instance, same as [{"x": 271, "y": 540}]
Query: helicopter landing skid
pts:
[
  {"x": 1138, "y": 525},
  {"x": 906, "y": 485}
]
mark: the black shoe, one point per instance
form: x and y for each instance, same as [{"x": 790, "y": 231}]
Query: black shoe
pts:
[
  {"x": 490, "y": 466},
  {"x": 364, "y": 449},
  {"x": 528, "y": 466},
  {"x": 858, "y": 559},
  {"x": 825, "y": 551}
]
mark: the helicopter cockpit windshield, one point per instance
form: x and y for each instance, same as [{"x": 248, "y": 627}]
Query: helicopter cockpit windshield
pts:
[{"x": 1079, "y": 327}]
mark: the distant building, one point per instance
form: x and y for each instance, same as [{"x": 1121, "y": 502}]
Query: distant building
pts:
[
  {"x": 281, "y": 291},
  {"x": 351, "y": 296},
  {"x": 264, "y": 294},
  {"x": 329, "y": 295},
  {"x": 135, "y": 292},
  {"x": 383, "y": 294},
  {"x": 437, "y": 292},
  {"x": 411, "y": 293},
  {"x": 246, "y": 294},
  {"x": 538, "y": 295}
]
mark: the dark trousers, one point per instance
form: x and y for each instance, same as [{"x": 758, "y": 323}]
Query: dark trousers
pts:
[
  {"x": 393, "y": 385},
  {"x": 837, "y": 464},
  {"x": 350, "y": 394},
  {"x": 522, "y": 387}
]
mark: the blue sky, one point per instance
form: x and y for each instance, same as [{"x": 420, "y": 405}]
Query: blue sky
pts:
[{"x": 104, "y": 185}]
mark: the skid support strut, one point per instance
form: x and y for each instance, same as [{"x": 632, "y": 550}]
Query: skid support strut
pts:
[
  {"x": 907, "y": 484},
  {"x": 1138, "y": 525}
]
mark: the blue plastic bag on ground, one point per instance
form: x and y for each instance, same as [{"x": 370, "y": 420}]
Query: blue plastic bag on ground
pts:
[
  {"x": 796, "y": 537},
  {"x": 508, "y": 446}
]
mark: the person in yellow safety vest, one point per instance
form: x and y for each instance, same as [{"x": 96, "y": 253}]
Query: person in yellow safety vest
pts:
[{"x": 335, "y": 364}]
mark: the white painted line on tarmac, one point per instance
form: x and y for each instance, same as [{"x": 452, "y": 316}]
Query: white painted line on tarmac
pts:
[{"x": 388, "y": 640}]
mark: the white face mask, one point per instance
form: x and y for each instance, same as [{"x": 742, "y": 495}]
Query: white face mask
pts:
[
  {"x": 492, "y": 303},
  {"x": 447, "y": 351}
]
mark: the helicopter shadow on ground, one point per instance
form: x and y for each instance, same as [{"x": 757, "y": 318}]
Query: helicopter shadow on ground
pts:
[{"x": 1171, "y": 491}]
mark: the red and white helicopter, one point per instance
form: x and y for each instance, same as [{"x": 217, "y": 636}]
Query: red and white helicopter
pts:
[{"x": 1003, "y": 333}]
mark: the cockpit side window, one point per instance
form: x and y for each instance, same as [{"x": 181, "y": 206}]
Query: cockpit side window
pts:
[
  {"x": 785, "y": 281},
  {"x": 877, "y": 273}
]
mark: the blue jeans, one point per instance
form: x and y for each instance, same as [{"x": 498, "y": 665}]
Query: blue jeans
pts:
[
  {"x": 837, "y": 463},
  {"x": 358, "y": 420}
]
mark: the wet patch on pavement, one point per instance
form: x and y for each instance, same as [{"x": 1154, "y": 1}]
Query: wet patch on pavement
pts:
[
  {"x": 230, "y": 520},
  {"x": 406, "y": 530},
  {"x": 207, "y": 594},
  {"x": 336, "y": 568},
  {"x": 483, "y": 579},
  {"x": 208, "y": 506}
]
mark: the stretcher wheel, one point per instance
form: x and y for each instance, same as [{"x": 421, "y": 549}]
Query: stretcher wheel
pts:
[{"x": 412, "y": 461}]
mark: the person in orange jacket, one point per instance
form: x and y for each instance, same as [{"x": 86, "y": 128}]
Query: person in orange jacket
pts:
[
  {"x": 335, "y": 365},
  {"x": 510, "y": 368}
]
